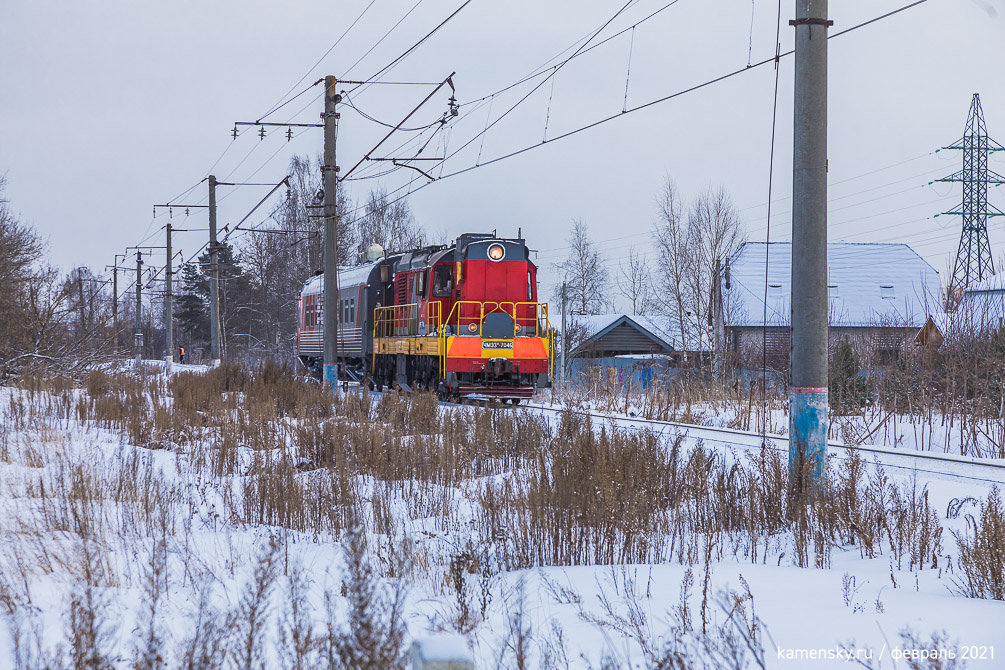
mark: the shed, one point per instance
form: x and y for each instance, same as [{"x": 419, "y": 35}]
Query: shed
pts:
[{"x": 607, "y": 335}]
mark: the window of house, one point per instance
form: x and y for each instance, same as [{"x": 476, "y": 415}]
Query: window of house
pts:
[{"x": 886, "y": 292}]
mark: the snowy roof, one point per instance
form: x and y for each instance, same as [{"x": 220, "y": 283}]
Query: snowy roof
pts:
[
  {"x": 991, "y": 284},
  {"x": 346, "y": 277},
  {"x": 658, "y": 327},
  {"x": 868, "y": 284}
]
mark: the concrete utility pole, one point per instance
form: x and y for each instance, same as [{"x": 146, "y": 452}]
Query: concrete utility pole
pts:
[
  {"x": 168, "y": 305},
  {"x": 138, "y": 333},
  {"x": 329, "y": 173},
  {"x": 808, "y": 402},
  {"x": 214, "y": 278}
]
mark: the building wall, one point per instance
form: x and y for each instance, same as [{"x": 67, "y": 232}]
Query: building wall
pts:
[{"x": 874, "y": 345}]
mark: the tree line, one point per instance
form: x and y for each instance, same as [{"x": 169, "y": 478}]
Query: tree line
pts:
[{"x": 65, "y": 318}]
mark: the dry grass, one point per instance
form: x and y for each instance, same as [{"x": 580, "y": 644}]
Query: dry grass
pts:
[{"x": 239, "y": 449}]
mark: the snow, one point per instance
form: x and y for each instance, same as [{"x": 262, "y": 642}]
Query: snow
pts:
[
  {"x": 446, "y": 648},
  {"x": 802, "y": 609}
]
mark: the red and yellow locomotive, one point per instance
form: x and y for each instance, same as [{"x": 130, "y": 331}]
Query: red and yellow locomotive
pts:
[{"x": 463, "y": 320}]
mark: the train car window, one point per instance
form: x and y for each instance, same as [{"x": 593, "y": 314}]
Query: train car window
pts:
[
  {"x": 443, "y": 282},
  {"x": 420, "y": 281},
  {"x": 530, "y": 287}
]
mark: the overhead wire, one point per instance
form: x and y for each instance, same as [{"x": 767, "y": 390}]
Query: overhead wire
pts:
[
  {"x": 767, "y": 226},
  {"x": 640, "y": 107},
  {"x": 280, "y": 104}
]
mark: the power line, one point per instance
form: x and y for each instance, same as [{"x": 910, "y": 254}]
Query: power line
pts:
[
  {"x": 631, "y": 110},
  {"x": 280, "y": 104}
]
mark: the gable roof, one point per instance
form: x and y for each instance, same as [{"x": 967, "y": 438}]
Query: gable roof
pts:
[
  {"x": 599, "y": 325},
  {"x": 869, "y": 284}
]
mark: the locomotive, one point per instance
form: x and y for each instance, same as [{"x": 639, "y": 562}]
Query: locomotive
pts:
[{"x": 462, "y": 320}]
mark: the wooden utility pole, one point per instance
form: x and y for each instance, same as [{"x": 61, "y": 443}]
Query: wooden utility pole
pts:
[
  {"x": 329, "y": 174},
  {"x": 214, "y": 278},
  {"x": 808, "y": 402}
]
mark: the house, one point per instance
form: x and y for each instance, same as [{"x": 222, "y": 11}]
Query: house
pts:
[{"x": 879, "y": 297}]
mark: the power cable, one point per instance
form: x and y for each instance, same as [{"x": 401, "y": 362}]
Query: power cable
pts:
[
  {"x": 767, "y": 223},
  {"x": 280, "y": 104}
]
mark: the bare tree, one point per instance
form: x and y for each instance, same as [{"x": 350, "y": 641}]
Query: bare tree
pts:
[
  {"x": 674, "y": 260},
  {"x": 33, "y": 302},
  {"x": 585, "y": 272},
  {"x": 389, "y": 223},
  {"x": 714, "y": 234},
  {"x": 281, "y": 257},
  {"x": 634, "y": 281}
]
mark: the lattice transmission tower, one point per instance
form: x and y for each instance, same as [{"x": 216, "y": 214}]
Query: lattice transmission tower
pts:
[{"x": 973, "y": 259}]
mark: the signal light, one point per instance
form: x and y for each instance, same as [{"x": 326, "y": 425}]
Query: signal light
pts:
[{"x": 497, "y": 252}]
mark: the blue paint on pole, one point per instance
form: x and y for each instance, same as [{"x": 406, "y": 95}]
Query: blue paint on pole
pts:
[
  {"x": 808, "y": 409},
  {"x": 331, "y": 376}
]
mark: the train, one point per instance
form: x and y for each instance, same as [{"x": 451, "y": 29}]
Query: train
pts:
[{"x": 463, "y": 320}]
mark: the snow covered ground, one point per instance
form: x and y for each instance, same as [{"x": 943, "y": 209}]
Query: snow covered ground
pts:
[{"x": 108, "y": 526}]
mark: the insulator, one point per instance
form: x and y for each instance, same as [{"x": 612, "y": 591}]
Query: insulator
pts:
[
  {"x": 289, "y": 134},
  {"x": 261, "y": 133},
  {"x": 186, "y": 211},
  {"x": 170, "y": 212},
  {"x": 234, "y": 131}
]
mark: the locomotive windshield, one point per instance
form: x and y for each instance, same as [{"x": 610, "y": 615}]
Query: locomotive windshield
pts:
[{"x": 443, "y": 282}]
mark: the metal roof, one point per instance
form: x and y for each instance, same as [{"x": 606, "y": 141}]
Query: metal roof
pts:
[
  {"x": 869, "y": 284},
  {"x": 346, "y": 277},
  {"x": 992, "y": 284}
]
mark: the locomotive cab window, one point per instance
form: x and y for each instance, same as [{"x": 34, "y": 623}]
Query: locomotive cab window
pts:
[
  {"x": 443, "y": 281},
  {"x": 420, "y": 284}
]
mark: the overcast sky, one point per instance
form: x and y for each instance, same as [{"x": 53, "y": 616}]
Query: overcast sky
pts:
[{"x": 109, "y": 107}]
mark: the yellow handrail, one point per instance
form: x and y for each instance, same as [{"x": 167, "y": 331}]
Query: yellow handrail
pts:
[{"x": 529, "y": 318}]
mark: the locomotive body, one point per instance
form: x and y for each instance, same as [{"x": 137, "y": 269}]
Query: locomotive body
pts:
[{"x": 463, "y": 320}]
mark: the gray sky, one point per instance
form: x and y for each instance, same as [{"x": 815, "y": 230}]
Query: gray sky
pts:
[{"x": 108, "y": 107}]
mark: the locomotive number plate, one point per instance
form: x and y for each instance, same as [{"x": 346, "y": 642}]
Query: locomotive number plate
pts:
[{"x": 488, "y": 344}]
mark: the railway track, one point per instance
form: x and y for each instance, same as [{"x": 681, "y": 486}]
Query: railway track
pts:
[{"x": 921, "y": 462}]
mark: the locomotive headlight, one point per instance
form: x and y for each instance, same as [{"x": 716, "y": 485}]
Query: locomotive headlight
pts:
[
  {"x": 519, "y": 329},
  {"x": 497, "y": 252},
  {"x": 472, "y": 327}
]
